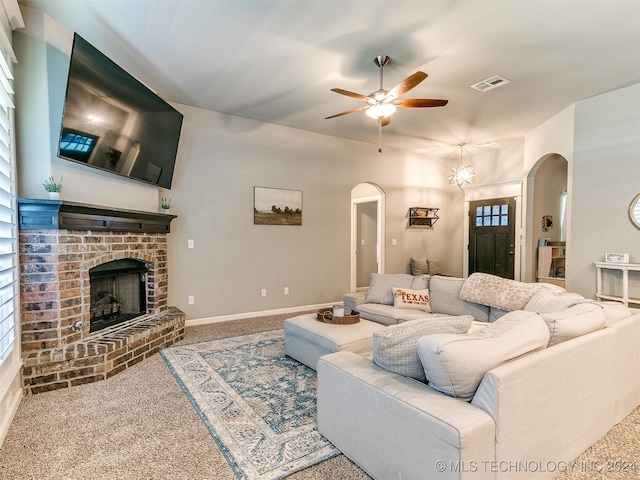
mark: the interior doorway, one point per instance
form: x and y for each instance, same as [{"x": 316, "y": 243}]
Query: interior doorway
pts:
[
  {"x": 367, "y": 234},
  {"x": 547, "y": 207},
  {"x": 367, "y": 242},
  {"x": 492, "y": 236}
]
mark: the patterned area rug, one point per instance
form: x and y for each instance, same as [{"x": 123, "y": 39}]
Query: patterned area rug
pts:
[{"x": 258, "y": 404}]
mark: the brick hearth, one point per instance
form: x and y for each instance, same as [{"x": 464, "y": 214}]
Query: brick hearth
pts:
[{"x": 58, "y": 349}]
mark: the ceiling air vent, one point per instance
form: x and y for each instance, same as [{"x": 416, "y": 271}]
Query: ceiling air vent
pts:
[{"x": 490, "y": 83}]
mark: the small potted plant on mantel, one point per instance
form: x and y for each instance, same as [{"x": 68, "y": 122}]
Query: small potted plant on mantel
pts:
[
  {"x": 53, "y": 188},
  {"x": 165, "y": 205}
]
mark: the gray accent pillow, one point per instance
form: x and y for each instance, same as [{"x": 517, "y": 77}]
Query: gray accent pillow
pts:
[
  {"x": 395, "y": 347},
  {"x": 419, "y": 266},
  {"x": 434, "y": 266},
  {"x": 381, "y": 286}
]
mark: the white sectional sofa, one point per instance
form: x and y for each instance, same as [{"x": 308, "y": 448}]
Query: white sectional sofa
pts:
[{"x": 528, "y": 416}]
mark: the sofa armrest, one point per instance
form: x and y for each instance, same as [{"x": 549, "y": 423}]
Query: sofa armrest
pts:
[
  {"x": 540, "y": 402},
  {"x": 396, "y": 427},
  {"x": 354, "y": 299}
]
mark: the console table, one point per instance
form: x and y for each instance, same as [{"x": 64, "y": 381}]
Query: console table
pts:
[{"x": 625, "y": 268}]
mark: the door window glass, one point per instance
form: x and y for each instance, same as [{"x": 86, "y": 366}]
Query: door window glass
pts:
[{"x": 492, "y": 216}]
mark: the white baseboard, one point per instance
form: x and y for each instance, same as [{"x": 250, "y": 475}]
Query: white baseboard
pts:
[
  {"x": 9, "y": 402},
  {"x": 242, "y": 316}
]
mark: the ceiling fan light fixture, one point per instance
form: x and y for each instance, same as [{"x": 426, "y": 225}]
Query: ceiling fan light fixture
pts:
[
  {"x": 380, "y": 96},
  {"x": 382, "y": 103},
  {"x": 381, "y": 110}
]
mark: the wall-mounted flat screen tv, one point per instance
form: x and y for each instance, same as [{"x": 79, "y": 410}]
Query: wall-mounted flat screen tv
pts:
[{"x": 114, "y": 123}]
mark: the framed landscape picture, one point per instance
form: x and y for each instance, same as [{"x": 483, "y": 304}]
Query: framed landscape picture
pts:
[{"x": 275, "y": 206}]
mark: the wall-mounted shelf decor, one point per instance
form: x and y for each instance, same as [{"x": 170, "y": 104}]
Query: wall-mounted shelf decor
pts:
[{"x": 422, "y": 216}]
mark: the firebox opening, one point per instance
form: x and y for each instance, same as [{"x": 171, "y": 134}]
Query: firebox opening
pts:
[{"x": 118, "y": 292}]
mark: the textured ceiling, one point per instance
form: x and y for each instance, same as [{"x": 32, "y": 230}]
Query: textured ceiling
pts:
[{"x": 276, "y": 61}]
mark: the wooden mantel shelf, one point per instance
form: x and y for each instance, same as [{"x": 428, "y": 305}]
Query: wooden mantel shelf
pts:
[{"x": 41, "y": 214}]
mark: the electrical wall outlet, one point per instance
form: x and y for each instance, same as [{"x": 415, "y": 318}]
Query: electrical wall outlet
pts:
[
  {"x": 286, "y": 290},
  {"x": 190, "y": 243},
  {"x": 191, "y": 300},
  {"x": 264, "y": 292}
]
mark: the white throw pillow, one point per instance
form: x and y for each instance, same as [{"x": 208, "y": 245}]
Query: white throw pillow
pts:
[
  {"x": 574, "y": 322},
  {"x": 394, "y": 348},
  {"x": 409, "y": 298},
  {"x": 455, "y": 364},
  {"x": 546, "y": 300}
]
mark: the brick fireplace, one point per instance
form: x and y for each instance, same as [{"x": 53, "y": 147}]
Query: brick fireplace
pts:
[{"x": 60, "y": 242}]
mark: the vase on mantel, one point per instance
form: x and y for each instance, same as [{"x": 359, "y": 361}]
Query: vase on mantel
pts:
[
  {"x": 165, "y": 211},
  {"x": 54, "y": 195}
]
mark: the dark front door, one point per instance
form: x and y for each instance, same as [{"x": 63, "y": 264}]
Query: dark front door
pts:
[{"x": 492, "y": 236}]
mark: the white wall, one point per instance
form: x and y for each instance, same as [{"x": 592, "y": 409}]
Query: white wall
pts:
[
  {"x": 599, "y": 138},
  {"x": 223, "y": 158},
  {"x": 555, "y": 136},
  {"x": 605, "y": 179},
  {"x": 43, "y": 49}
]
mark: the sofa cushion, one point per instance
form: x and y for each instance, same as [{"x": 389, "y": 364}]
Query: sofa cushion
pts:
[
  {"x": 419, "y": 266},
  {"x": 409, "y": 298},
  {"x": 574, "y": 322},
  {"x": 394, "y": 348},
  {"x": 445, "y": 298},
  {"x": 390, "y": 315},
  {"x": 455, "y": 364},
  {"x": 546, "y": 300},
  {"x": 381, "y": 286},
  {"x": 496, "y": 313},
  {"x": 614, "y": 311},
  {"x": 498, "y": 292}
]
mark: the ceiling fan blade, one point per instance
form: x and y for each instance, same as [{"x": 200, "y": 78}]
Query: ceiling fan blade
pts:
[
  {"x": 420, "y": 102},
  {"x": 407, "y": 84},
  {"x": 359, "y": 96},
  {"x": 353, "y": 110}
]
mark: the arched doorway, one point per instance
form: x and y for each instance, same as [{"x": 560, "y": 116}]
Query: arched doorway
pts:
[
  {"x": 546, "y": 207},
  {"x": 367, "y": 234}
]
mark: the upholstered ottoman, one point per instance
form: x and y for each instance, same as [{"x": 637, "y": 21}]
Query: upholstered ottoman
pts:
[{"x": 306, "y": 338}]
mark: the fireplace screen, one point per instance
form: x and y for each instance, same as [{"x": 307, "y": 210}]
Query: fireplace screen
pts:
[{"x": 118, "y": 292}]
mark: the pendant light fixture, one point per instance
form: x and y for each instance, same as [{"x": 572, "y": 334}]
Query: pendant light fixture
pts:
[{"x": 462, "y": 173}]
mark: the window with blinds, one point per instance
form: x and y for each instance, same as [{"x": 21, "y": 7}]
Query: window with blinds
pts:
[{"x": 8, "y": 239}]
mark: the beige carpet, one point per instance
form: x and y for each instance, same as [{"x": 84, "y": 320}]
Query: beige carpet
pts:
[{"x": 139, "y": 425}]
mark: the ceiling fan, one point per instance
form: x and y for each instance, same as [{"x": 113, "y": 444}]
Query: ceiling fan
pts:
[{"x": 382, "y": 103}]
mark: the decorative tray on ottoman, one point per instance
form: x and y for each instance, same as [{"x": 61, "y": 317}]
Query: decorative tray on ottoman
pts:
[{"x": 326, "y": 315}]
